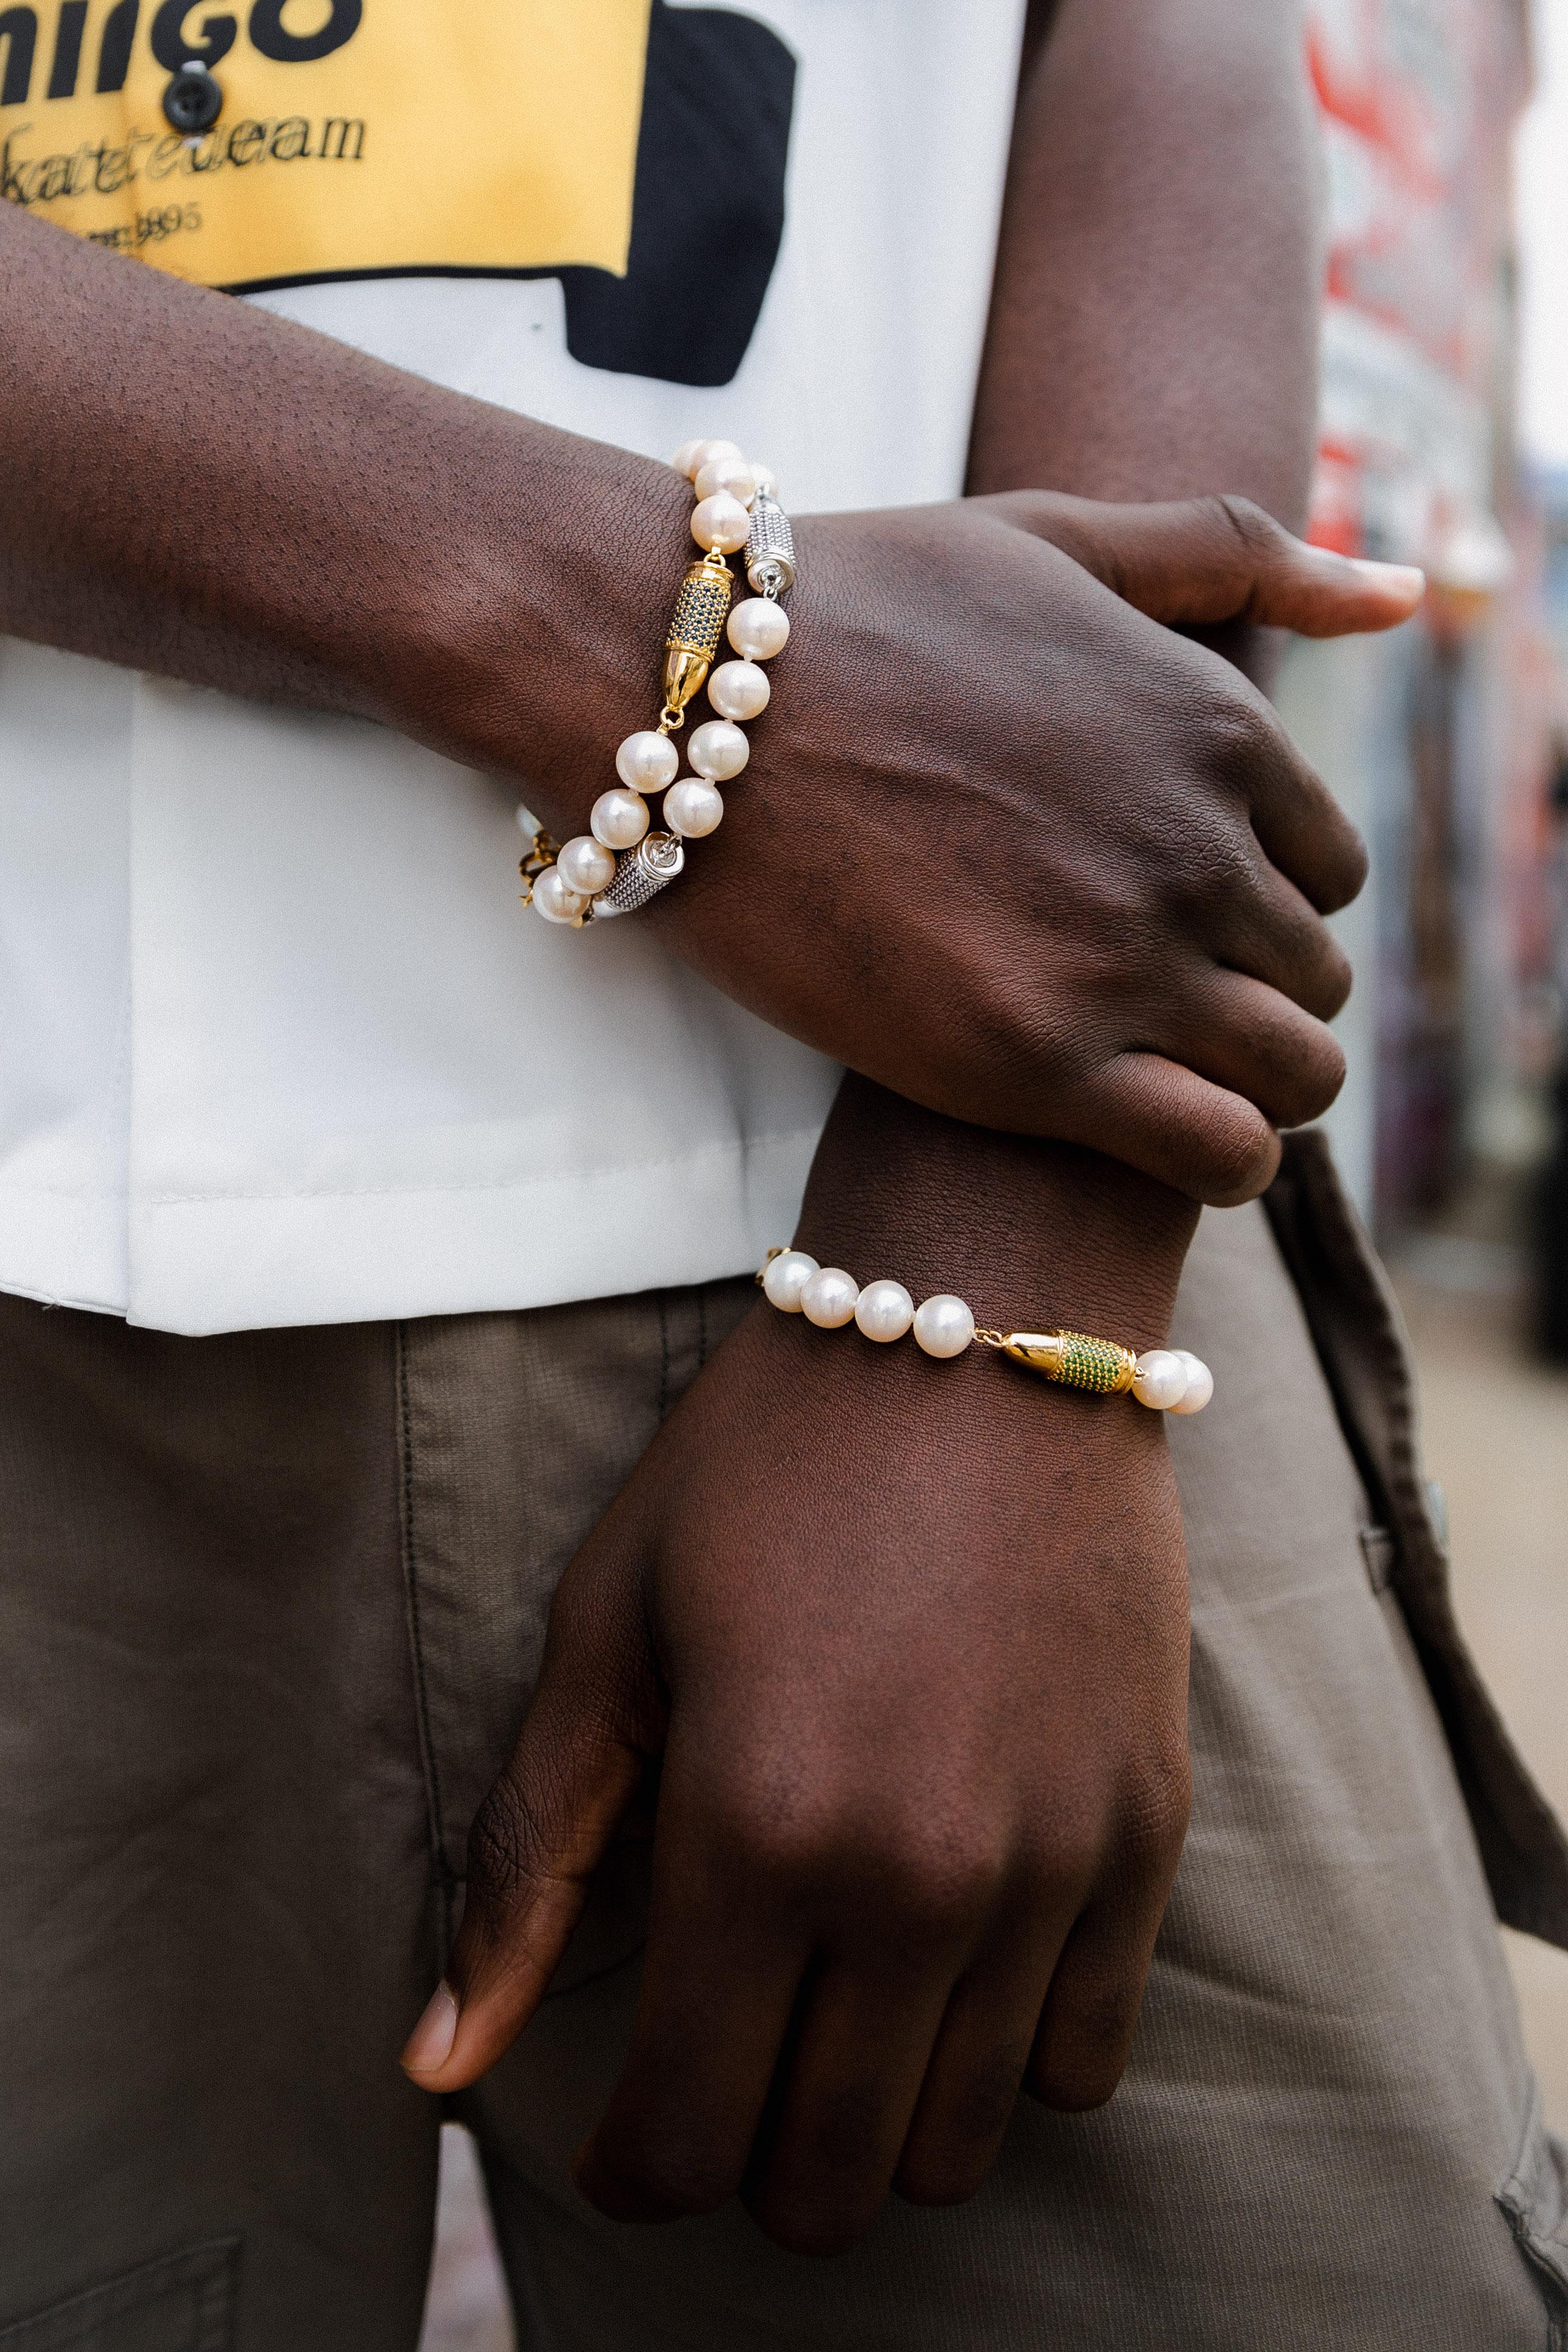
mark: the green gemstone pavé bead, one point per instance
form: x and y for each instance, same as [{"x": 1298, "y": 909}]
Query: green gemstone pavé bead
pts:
[{"x": 1088, "y": 1364}]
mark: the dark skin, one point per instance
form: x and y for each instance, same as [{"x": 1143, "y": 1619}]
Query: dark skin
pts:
[{"x": 910, "y": 1639}]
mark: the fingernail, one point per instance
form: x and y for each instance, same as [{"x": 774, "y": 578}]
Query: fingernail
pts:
[
  {"x": 1401, "y": 579},
  {"x": 429, "y": 2046}
]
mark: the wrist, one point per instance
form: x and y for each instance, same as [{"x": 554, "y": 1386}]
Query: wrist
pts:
[
  {"x": 1028, "y": 1233},
  {"x": 531, "y": 645}
]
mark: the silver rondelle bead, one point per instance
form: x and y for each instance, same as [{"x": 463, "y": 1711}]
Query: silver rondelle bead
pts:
[
  {"x": 640, "y": 875},
  {"x": 770, "y": 548}
]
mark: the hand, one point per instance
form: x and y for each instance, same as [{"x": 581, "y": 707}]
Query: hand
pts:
[
  {"x": 1022, "y": 854},
  {"x": 911, "y": 1639},
  {"x": 1005, "y": 842}
]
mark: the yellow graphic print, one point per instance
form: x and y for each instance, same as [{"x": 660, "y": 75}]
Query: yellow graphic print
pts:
[{"x": 356, "y": 135}]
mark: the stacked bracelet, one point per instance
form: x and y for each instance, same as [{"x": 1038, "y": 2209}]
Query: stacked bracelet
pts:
[
  {"x": 1166, "y": 1380},
  {"x": 619, "y": 864}
]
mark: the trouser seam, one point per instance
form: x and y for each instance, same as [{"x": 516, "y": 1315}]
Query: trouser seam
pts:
[{"x": 444, "y": 1876}]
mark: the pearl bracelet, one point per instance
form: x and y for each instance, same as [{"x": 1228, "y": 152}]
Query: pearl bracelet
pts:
[
  {"x": 619, "y": 864},
  {"x": 1166, "y": 1380}
]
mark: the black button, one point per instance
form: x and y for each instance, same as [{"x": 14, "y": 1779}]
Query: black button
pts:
[{"x": 192, "y": 101}]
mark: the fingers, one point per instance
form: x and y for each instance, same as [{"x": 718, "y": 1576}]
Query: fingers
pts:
[
  {"x": 719, "y": 1982},
  {"x": 1085, "y": 2035},
  {"x": 854, "y": 2083},
  {"x": 532, "y": 1851},
  {"x": 1299, "y": 827},
  {"x": 1268, "y": 931},
  {"x": 1155, "y": 1115},
  {"x": 1248, "y": 1039},
  {"x": 1200, "y": 562},
  {"x": 978, "y": 2063}
]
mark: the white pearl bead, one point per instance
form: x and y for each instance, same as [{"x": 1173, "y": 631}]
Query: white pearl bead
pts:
[
  {"x": 1199, "y": 1382},
  {"x": 885, "y": 1311},
  {"x": 759, "y": 628},
  {"x": 554, "y": 898},
  {"x": 738, "y": 689},
  {"x": 719, "y": 750},
  {"x": 647, "y": 761},
  {"x": 586, "y": 865},
  {"x": 787, "y": 1277},
  {"x": 698, "y": 454},
  {"x": 684, "y": 460},
  {"x": 944, "y": 1326},
  {"x": 526, "y": 821},
  {"x": 767, "y": 480},
  {"x": 720, "y": 521},
  {"x": 829, "y": 1299},
  {"x": 1159, "y": 1380},
  {"x": 693, "y": 807},
  {"x": 619, "y": 818},
  {"x": 731, "y": 474}
]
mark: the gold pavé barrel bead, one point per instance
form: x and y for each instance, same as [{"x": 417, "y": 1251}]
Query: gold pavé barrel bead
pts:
[
  {"x": 1076, "y": 1360},
  {"x": 696, "y": 628}
]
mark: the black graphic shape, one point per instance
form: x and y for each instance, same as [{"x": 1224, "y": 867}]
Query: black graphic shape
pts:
[
  {"x": 707, "y": 214},
  {"x": 19, "y": 31},
  {"x": 68, "y": 49},
  {"x": 271, "y": 36},
  {"x": 171, "y": 44},
  {"x": 114, "y": 48}
]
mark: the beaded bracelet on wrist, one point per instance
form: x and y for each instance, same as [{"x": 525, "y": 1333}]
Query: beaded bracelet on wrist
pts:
[
  {"x": 1166, "y": 1380},
  {"x": 622, "y": 861}
]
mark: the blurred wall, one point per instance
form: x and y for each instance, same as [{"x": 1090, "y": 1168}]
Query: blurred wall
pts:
[{"x": 1436, "y": 738}]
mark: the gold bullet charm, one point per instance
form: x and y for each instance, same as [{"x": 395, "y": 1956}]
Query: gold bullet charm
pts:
[
  {"x": 1074, "y": 1360},
  {"x": 701, "y": 610}
]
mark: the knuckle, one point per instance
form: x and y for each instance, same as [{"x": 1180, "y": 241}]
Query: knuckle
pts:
[
  {"x": 1252, "y": 524},
  {"x": 1236, "y": 1154},
  {"x": 1158, "y": 1805},
  {"x": 1350, "y": 865},
  {"x": 1217, "y": 883},
  {"x": 1315, "y": 971},
  {"x": 907, "y": 1877},
  {"x": 498, "y": 1845},
  {"x": 937, "y": 1887},
  {"x": 1312, "y": 1077},
  {"x": 1084, "y": 2062},
  {"x": 1058, "y": 1872},
  {"x": 1239, "y": 737},
  {"x": 1338, "y": 980}
]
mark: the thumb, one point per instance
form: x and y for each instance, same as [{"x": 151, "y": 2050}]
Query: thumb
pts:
[
  {"x": 1198, "y": 561},
  {"x": 535, "y": 1844}
]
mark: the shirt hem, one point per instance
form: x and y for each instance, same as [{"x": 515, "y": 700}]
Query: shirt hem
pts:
[{"x": 201, "y": 1266}]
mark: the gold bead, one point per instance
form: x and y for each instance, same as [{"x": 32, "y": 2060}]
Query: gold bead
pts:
[
  {"x": 1074, "y": 1360},
  {"x": 696, "y": 628}
]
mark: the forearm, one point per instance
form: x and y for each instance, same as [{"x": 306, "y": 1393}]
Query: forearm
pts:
[
  {"x": 1153, "y": 334},
  {"x": 1153, "y": 328},
  {"x": 192, "y": 486}
]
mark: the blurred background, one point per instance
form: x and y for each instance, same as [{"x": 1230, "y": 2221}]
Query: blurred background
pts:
[{"x": 1443, "y": 442}]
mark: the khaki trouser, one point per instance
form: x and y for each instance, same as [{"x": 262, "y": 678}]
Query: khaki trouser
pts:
[{"x": 270, "y": 1605}]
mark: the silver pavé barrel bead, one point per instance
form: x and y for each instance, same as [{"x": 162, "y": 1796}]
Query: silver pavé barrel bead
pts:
[
  {"x": 770, "y": 548},
  {"x": 641, "y": 874}
]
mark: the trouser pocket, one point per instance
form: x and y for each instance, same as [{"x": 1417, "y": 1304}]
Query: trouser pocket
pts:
[
  {"x": 181, "y": 2303},
  {"x": 1536, "y": 2199}
]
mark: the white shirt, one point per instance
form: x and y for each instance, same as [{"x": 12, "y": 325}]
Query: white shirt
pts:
[{"x": 278, "y": 1043}]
